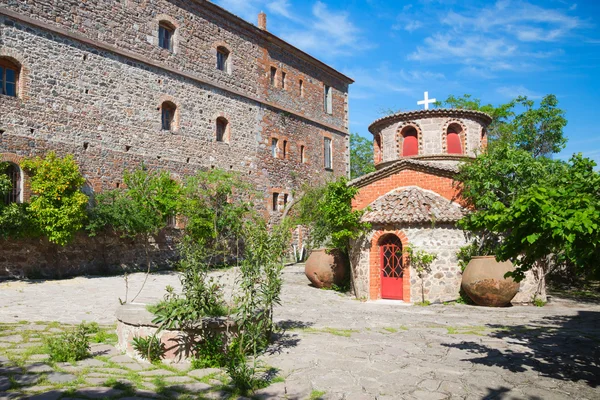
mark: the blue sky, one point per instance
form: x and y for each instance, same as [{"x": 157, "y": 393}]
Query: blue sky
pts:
[{"x": 396, "y": 50}]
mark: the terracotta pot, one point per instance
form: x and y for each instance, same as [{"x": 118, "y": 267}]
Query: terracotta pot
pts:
[
  {"x": 323, "y": 268},
  {"x": 483, "y": 281}
]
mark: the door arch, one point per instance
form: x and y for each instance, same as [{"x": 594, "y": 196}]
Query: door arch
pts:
[{"x": 391, "y": 266}]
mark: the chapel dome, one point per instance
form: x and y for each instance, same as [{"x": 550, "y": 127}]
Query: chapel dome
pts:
[{"x": 441, "y": 134}]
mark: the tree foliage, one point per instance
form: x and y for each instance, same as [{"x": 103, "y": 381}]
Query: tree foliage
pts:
[
  {"x": 14, "y": 219},
  {"x": 58, "y": 206},
  {"x": 361, "y": 156},
  {"x": 327, "y": 211},
  {"x": 526, "y": 206}
]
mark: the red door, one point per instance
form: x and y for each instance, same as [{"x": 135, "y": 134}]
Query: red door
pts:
[{"x": 391, "y": 268}]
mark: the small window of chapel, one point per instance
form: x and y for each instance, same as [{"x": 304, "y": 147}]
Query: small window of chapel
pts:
[
  {"x": 327, "y": 153},
  {"x": 166, "y": 31},
  {"x": 168, "y": 110},
  {"x": 222, "y": 130},
  {"x": 223, "y": 59},
  {"x": 410, "y": 141},
  {"x": 9, "y": 77},
  {"x": 14, "y": 176},
  {"x": 454, "y": 143}
]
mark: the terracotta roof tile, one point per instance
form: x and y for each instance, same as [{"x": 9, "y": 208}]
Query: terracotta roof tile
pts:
[{"x": 413, "y": 205}]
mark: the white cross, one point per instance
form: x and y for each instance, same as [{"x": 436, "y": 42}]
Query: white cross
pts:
[{"x": 426, "y": 101}]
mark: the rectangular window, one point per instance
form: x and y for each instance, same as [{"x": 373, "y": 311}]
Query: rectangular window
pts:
[
  {"x": 285, "y": 199},
  {"x": 285, "y": 149},
  {"x": 165, "y": 37},
  {"x": 274, "y": 149},
  {"x": 8, "y": 81},
  {"x": 275, "y": 200},
  {"x": 222, "y": 60},
  {"x": 302, "y": 157},
  {"x": 327, "y": 99},
  {"x": 283, "y": 74},
  {"x": 301, "y": 87},
  {"x": 273, "y": 75},
  {"x": 327, "y": 152}
]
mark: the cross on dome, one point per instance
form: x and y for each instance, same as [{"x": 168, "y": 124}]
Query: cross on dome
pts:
[{"x": 426, "y": 101}]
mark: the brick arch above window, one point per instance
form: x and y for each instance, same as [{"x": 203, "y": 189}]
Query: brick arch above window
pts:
[
  {"x": 10, "y": 59},
  {"x": 416, "y": 145},
  {"x": 457, "y": 125}
]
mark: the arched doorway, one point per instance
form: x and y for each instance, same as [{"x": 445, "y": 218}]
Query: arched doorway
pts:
[{"x": 390, "y": 248}]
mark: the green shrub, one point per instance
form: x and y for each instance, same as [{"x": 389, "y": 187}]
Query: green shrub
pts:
[
  {"x": 149, "y": 348},
  {"x": 72, "y": 345},
  {"x": 210, "y": 353},
  {"x": 538, "y": 302}
]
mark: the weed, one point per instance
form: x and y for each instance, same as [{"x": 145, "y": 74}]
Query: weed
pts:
[
  {"x": 210, "y": 353},
  {"x": 538, "y": 302},
  {"x": 316, "y": 395},
  {"x": 422, "y": 303},
  {"x": 149, "y": 348},
  {"x": 72, "y": 345},
  {"x": 332, "y": 331},
  {"x": 466, "y": 330},
  {"x": 390, "y": 329}
]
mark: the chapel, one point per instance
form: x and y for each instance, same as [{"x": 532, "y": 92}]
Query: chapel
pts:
[{"x": 411, "y": 200}]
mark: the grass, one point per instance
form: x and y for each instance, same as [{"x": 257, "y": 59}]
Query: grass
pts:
[
  {"x": 539, "y": 302},
  {"x": 316, "y": 394},
  {"x": 466, "y": 330},
  {"x": 390, "y": 329},
  {"x": 422, "y": 303},
  {"x": 332, "y": 331}
]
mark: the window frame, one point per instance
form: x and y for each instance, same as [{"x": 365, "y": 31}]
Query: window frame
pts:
[
  {"x": 5, "y": 66},
  {"x": 328, "y": 153},
  {"x": 166, "y": 27}
]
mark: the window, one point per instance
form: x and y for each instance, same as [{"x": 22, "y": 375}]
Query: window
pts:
[
  {"x": 285, "y": 143},
  {"x": 302, "y": 155},
  {"x": 327, "y": 152},
  {"x": 165, "y": 35},
  {"x": 283, "y": 74},
  {"x": 168, "y": 115},
  {"x": 222, "y": 130},
  {"x": 14, "y": 175},
  {"x": 377, "y": 146},
  {"x": 275, "y": 200},
  {"x": 327, "y": 99},
  {"x": 273, "y": 75},
  {"x": 301, "y": 88},
  {"x": 410, "y": 141},
  {"x": 222, "y": 59},
  {"x": 285, "y": 200},
  {"x": 453, "y": 139},
  {"x": 274, "y": 149},
  {"x": 9, "y": 76}
]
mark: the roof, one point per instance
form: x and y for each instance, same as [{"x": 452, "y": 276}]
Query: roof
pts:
[
  {"x": 274, "y": 39},
  {"x": 435, "y": 112},
  {"x": 412, "y": 204},
  {"x": 436, "y": 168}
]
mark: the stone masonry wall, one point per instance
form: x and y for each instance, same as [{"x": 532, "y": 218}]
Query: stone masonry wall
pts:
[{"x": 93, "y": 80}]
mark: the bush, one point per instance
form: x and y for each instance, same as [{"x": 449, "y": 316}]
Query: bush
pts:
[
  {"x": 149, "y": 348},
  {"x": 73, "y": 345},
  {"x": 210, "y": 353}
]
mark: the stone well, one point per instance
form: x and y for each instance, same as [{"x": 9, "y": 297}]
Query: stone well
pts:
[{"x": 134, "y": 320}]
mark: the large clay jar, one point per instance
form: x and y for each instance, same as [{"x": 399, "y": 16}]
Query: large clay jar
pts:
[
  {"x": 483, "y": 281},
  {"x": 324, "y": 267}
]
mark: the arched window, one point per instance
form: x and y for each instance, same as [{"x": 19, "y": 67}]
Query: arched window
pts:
[
  {"x": 166, "y": 31},
  {"x": 454, "y": 140},
  {"x": 223, "y": 59},
  {"x": 14, "y": 175},
  {"x": 410, "y": 141},
  {"x": 222, "y": 130},
  {"x": 9, "y": 77},
  {"x": 168, "y": 110}
]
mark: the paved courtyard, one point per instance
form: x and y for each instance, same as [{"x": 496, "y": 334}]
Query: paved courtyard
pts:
[{"x": 331, "y": 347}]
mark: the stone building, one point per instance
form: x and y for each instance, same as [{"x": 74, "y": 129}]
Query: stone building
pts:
[
  {"x": 178, "y": 85},
  {"x": 412, "y": 201}
]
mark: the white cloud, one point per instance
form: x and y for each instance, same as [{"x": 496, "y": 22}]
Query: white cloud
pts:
[
  {"x": 281, "y": 7},
  {"x": 513, "y": 92}
]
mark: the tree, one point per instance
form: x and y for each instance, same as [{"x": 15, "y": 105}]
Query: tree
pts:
[
  {"x": 361, "y": 156},
  {"x": 139, "y": 211},
  {"x": 58, "y": 206}
]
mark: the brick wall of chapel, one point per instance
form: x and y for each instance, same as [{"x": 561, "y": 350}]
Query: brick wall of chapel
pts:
[{"x": 103, "y": 107}]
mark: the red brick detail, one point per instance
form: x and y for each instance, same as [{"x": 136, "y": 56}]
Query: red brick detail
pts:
[
  {"x": 375, "y": 267},
  {"x": 439, "y": 184}
]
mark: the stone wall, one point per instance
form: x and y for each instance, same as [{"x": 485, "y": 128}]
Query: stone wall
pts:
[{"x": 101, "y": 255}]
